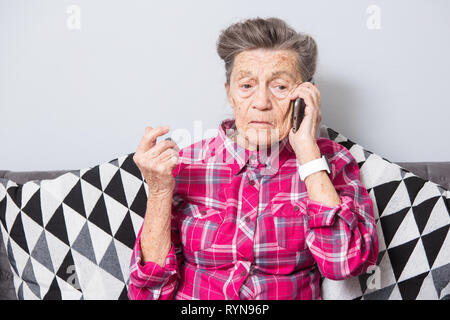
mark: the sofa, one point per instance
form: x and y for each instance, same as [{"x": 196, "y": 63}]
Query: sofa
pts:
[{"x": 432, "y": 175}]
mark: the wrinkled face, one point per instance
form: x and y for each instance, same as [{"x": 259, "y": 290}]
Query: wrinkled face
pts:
[{"x": 260, "y": 83}]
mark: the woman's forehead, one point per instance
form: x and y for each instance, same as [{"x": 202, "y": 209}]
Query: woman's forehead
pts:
[{"x": 272, "y": 62}]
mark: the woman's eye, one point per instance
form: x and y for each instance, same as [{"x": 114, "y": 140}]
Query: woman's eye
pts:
[
  {"x": 281, "y": 87},
  {"x": 246, "y": 86}
]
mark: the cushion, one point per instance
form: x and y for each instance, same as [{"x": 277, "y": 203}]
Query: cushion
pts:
[
  {"x": 413, "y": 219},
  {"x": 6, "y": 281},
  {"x": 72, "y": 237}
]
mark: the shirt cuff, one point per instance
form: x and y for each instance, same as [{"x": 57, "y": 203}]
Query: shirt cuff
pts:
[
  {"x": 321, "y": 215},
  {"x": 151, "y": 274}
]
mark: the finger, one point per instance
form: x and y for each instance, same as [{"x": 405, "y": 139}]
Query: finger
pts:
[
  {"x": 309, "y": 85},
  {"x": 173, "y": 161},
  {"x": 314, "y": 87},
  {"x": 161, "y": 146},
  {"x": 167, "y": 155},
  {"x": 295, "y": 93},
  {"x": 141, "y": 148},
  {"x": 149, "y": 138},
  {"x": 169, "y": 158},
  {"x": 156, "y": 132},
  {"x": 308, "y": 119},
  {"x": 313, "y": 92},
  {"x": 176, "y": 145},
  {"x": 305, "y": 95}
]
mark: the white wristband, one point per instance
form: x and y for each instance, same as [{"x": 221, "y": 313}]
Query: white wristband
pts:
[{"x": 314, "y": 166}]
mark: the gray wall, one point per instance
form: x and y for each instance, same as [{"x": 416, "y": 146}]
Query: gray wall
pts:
[{"x": 73, "y": 98}]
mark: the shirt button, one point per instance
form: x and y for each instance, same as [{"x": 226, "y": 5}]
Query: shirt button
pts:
[
  {"x": 243, "y": 273},
  {"x": 296, "y": 208},
  {"x": 247, "y": 219},
  {"x": 203, "y": 212},
  {"x": 252, "y": 182}
]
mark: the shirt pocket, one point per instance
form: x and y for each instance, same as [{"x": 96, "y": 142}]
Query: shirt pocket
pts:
[
  {"x": 198, "y": 226},
  {"x": 290, "y": 225}
]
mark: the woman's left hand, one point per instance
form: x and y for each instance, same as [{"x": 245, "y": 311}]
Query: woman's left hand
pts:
[{"x": 304, "y": 140}]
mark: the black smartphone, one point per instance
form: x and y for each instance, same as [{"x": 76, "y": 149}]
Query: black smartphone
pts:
[{"x": 298, "y": 111}]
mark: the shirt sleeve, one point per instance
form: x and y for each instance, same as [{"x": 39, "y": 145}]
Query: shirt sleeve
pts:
[
  {"x": 150, "y": 281},
  {"x": 343, "y": 238}
]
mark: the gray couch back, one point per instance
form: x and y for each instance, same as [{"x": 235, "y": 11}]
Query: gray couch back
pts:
[{"x": 437, "y": 172}]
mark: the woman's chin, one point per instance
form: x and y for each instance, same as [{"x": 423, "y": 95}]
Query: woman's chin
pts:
[
  {"x": 264, "y": 142},
  {"x": 261, "y": 138}
]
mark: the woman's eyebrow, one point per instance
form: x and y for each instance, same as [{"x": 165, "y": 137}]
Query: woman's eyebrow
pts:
[
  {"x": 279, "y": 73},
  {"x": 243, "y": 74}
]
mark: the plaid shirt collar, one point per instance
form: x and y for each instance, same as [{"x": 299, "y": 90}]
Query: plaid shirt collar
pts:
[{"x": 237, "y": 157}]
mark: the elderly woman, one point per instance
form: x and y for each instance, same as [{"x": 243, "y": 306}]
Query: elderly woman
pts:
[{"x": 255, "y": 212}]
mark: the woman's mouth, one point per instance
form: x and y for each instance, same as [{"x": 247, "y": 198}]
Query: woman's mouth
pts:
[{"x": 262, "y": 123}]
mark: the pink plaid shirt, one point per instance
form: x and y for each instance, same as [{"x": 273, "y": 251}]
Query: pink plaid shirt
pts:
[{"x": 243, "y": 226}]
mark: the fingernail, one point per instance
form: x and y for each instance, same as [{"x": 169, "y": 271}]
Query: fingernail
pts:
[{"x": 168, "y": 138}]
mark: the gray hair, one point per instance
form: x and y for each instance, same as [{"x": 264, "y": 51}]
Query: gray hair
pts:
[{"x": 270, "y": 33}]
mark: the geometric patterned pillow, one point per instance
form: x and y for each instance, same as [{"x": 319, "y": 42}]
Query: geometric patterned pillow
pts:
[
  {"x": 413, "y": 220},
  {"x": 72, "y": 237}
]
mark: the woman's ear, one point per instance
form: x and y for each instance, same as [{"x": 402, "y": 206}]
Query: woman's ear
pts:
[{"x": 227, "y": 89}]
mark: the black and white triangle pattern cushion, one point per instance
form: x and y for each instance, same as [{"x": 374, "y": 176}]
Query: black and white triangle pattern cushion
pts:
[
  {"x": 413, "y": 219},
  {"x": 72, "y": 237}
]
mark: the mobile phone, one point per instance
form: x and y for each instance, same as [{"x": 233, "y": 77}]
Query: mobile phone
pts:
[{"x": 298, "y": 111}]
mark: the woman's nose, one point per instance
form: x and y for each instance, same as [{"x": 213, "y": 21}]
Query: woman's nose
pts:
[{"x": 262, "y": 99}]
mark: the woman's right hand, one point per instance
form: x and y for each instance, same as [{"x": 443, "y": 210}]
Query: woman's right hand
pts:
[{"x": 156, "y": 161}]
